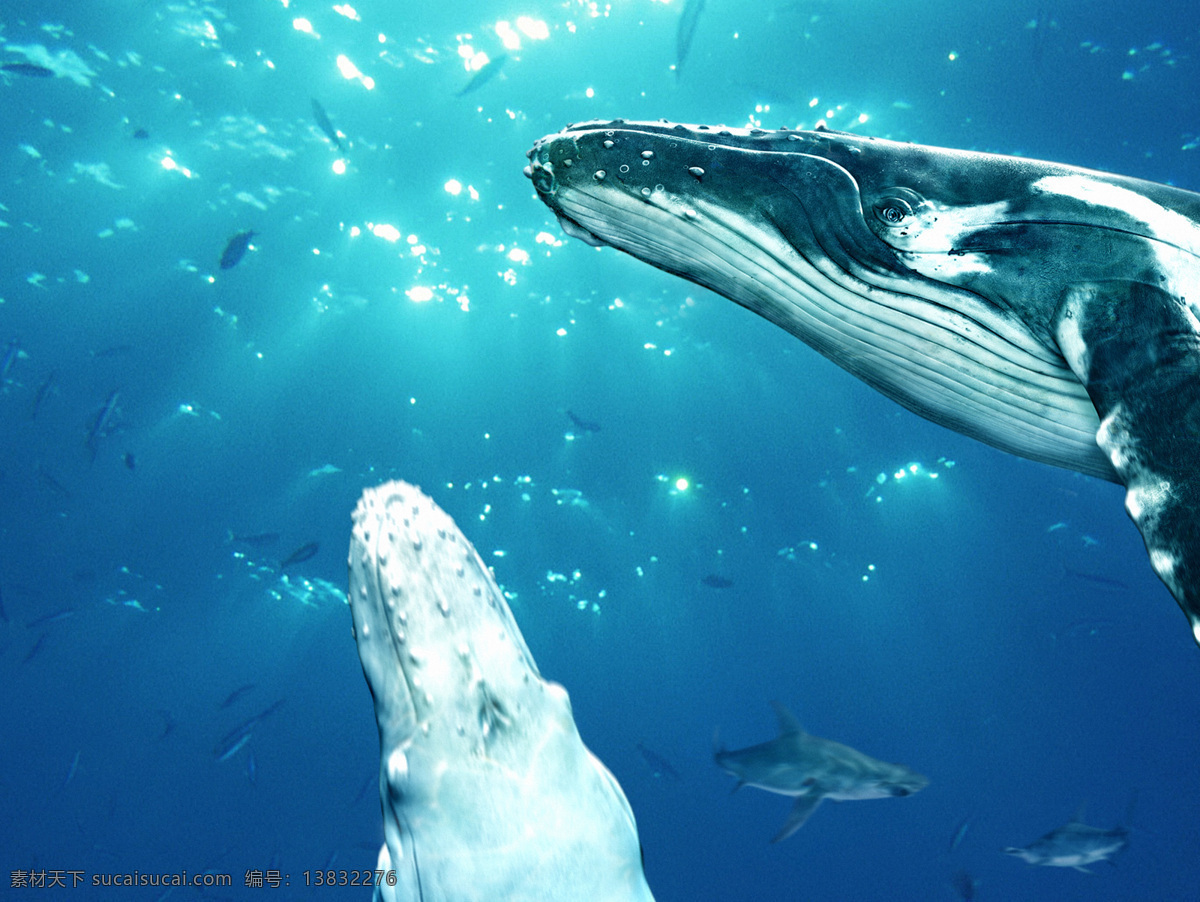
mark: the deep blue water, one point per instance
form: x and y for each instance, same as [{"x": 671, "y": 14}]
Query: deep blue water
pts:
[{"x": 997, "y": 628}]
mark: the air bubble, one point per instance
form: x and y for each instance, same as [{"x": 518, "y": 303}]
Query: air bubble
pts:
[
  {"x": 608, "y": 145},
  {"x": 599, "y": 175},
  {"x": 696, "y": 171},
  {"x": 645, "y": 192},
  {"x": 647, "y": 155},
  {"x": 624, "y": 168}
]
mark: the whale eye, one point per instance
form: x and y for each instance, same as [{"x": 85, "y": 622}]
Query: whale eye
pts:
[
  {"x": 896, "y": 207},
  {"x": 893, "y": 211}
]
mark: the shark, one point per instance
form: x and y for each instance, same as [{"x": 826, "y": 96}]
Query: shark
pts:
[
  {"x": 1075, "y": 844},
  {"x": 1048, "y": 310},
  {"x": 487, "y": 789},
  {"x": 812, "y": 769}
]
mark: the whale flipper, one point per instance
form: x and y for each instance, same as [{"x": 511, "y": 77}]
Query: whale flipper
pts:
[
  {"x": 1136, "y": 349},
  {"x": 488, "y": 791}
]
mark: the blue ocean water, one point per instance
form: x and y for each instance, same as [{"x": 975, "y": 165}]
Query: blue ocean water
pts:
[{"x": 174, "y": 431}]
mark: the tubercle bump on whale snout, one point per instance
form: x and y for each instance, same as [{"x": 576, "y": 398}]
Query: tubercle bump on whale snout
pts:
[{"x": 542, "y": 176}]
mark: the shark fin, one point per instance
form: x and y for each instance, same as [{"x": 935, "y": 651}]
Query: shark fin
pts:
[
  {"x": 1129, "y": 809},
  {"x": 805, "y": 805},
  {"x": 788, "y": 724}
]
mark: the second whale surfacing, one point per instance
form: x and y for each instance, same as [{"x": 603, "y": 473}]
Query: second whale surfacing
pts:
[
  {"x": 488, "y": 791},
  {"x": 1048, "y": 310}
]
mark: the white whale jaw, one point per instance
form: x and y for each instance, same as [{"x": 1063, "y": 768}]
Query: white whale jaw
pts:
[{"x": 488, "y": 791}]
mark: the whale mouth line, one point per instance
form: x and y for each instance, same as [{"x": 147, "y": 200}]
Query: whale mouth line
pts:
[{"x": 575, "y": 230}]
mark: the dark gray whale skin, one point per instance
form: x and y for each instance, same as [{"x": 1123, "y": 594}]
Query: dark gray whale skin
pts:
[{"x": 1045, "y": 309}]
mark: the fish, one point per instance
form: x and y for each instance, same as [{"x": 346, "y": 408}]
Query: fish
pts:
[
  {"x": 29, "y": 70},
  {"x": 35, "y": 649},
  {"x": 235, "y": 739},
  {"x": 236, "y": 694},
  {"x": 1045, "y": 309},
  {"x": 11, "y": 351},
  {"x": 1085, "y": 629},
  {"x": 236, "y": 248},
  {"x": 372, "y": 780},
  {"x": 583, "y": 425},
  {"x": 960, "y": 833},
  {"x": 39, "y": 396},
  {"x": 334, "y": 136},
  {"x": 46, "y": 478},
  {"x": 812, "y": 769},
  {"x": 1075, "y": 844},
  {"x": 659, "y": 766},
  {"x": 100, "y": 424},
  {"x": 225, "y": 751},
  {"x": 488, "y": 790},
  {"x": 964, "y": 884},
  {"x": 252, "y": 540},
  {"x": 1098, "y": 579},
  {"x": 52, "y": 617},
  {"x": 489, "y": 71},
  {"x": 71, "y": 771},
  {"x": 112, "y": 351},
  {"x": 713, "y": 581},
  {"x": 685, "y": 31},
  {"x": 300, "y": 555}
]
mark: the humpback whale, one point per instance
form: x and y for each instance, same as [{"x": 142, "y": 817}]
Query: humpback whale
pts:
[
  {"x": 1048, "y": 310},
  {"x": 812, "y": 769},
  {"x": 488, "y": 792}
]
